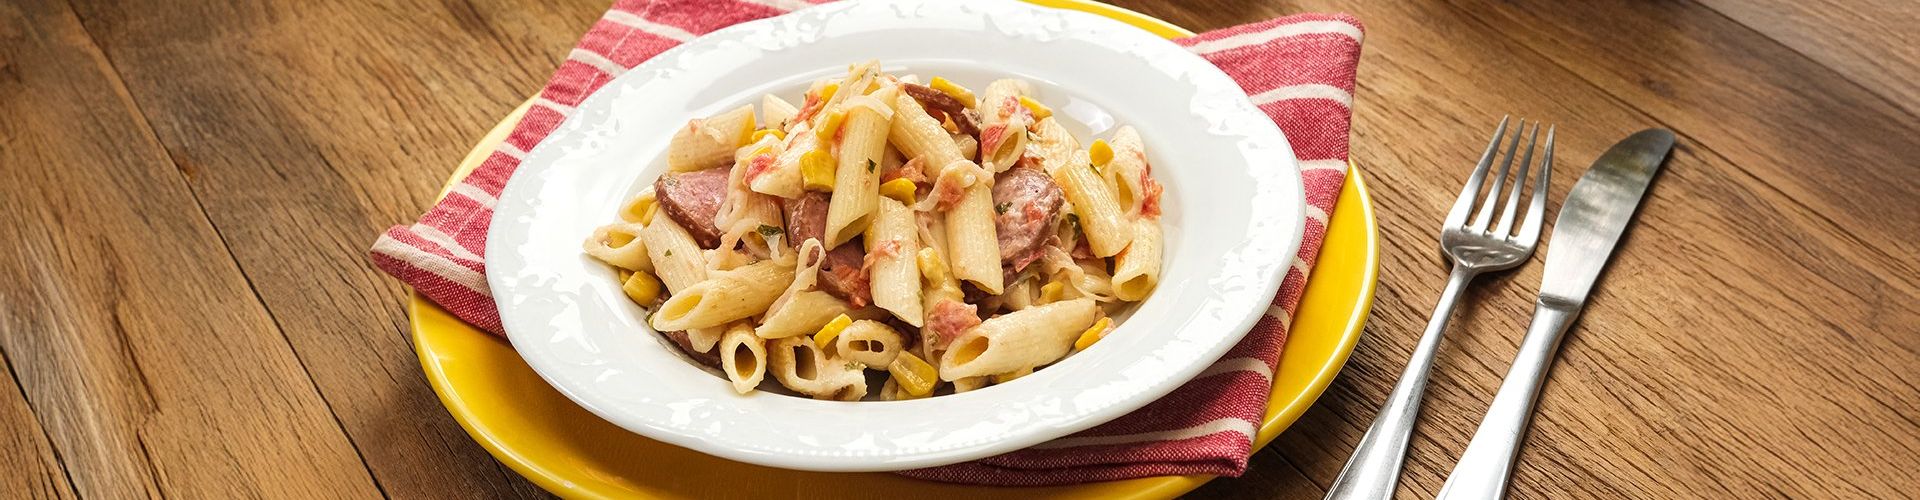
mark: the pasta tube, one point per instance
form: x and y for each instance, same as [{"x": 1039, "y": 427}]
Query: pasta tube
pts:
[
  {"x": 1019, "y": 340},
  {"x": 972, "y": 241},
  {"x": 620, "y": 245},
  {"x": 863, "y": 139},
  {"x": 895, "y": 246},
  {"x": 803, "y": 367},
  {"x": 743, "y": 356},
  {"x": 776, "y": 113},
  {"x": 677, "y": 259},
  {"x": 920, "y": 136},
  {"x": 868, "y": 342},
  {"x": 725, "y": 296},
  {"x": 804, "y": 314},
  {"x": 1093, "y": 202},
  {"x": 1137, "y": 269},
  {"x": 710, "y": 142}
]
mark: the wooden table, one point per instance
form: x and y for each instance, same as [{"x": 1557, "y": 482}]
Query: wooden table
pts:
[{"x": 189, "y": 189}]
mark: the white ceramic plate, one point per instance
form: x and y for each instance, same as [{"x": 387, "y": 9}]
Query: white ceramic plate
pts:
[{"x": 1232, "y": 224}]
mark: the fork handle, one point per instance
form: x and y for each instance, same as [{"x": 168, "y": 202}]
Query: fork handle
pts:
[
  {"x": 1374, "y": 470},
  {"x": 1487, "y": 465}
]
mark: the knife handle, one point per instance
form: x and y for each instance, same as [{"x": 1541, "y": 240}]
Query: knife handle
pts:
[{"x": 1487, "y": 465}]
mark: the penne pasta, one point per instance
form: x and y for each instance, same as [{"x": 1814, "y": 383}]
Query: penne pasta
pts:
[
  {"x": 920, "y": 136},
  {"x": 676, "y": 258},
  {"x": 725, "y": 296},
  {"x": 776, "y": 113},
  {"x": 710, "y": 142},
  {"x": 863, "y": 139},
  {"x": 1099, "y": 213},
  {"x": 1019, "y": 340},
  {"x": 801, "y": 366},
  {"x": 748, "y": 216},
  {"x": 783, "y": 178},
  {"x": 868, "y": 342},
  {"x": 804, "y": 314},
  {"x": 1052, "y": 144},
  {"x": 703, "y": 339},
  {"x": 641, "y": 208},
  {"x": 895, "y": 276},
  {"x": 926, "y": 296},
  {"x": 1003, "y": 136},
  {"x": 1137, "y": 269},
  {"x": 620, "y": 245},
  {"x": 973, "y": 244},
  {"x": 1127, "y": 167},
  {"x": 743, "y": 356}
]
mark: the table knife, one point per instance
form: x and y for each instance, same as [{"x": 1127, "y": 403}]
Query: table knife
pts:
[{"x": 1591, "y": 222}]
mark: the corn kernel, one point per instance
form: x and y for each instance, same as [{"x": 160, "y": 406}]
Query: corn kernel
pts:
[
  {"x": 933, "y": 267},
  {"x": 827, "y": 91},
  {"x": 913, "y": 375},
  {"x": 1100, "y": 152},
  {"x": 642, "y": 287},
  {"x": 624, "y": 274},
  {"x": 816, "y": 169},
  {"x": 1093, "y": 334},
  {"x": 899, "y": 189},
  {"x": 1051, "y": 292},
  {"x": 1001, "y": 378},
  {"x": 830, "y": 124},
  {"x": 763, "y": 133},
  {"x": 1040, "y": 111},
  {"x": 824, "y": 337},
  {"x": 954, "y": 90},
  {"x": 893, "y": 392}
]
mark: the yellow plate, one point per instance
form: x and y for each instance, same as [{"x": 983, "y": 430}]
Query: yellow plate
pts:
[{"x": 542, "y": 435}]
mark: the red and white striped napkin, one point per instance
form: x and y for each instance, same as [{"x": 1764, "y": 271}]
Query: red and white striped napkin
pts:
[{"x": 1299, "y": 69}]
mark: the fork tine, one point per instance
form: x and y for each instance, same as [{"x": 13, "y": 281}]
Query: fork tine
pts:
[
  {"x": 1537, "y": 210},
  {"x": 1519, "y": 181},
  {"x": 1493, "y": 193},
  {"x": 1463, "y": 206}
]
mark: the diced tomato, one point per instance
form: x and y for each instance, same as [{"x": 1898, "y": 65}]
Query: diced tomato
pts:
[
  {"x": 759, "y": 165},
  {"x": 991, "y": 138},
  {"x": 1150, "y": 194},
  {"x": 809, "y": 108},
  {"x": 949, "y": 319}
]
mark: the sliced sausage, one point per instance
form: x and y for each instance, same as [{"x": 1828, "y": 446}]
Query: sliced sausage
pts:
[
  {"x": 940, "y": 105},
  {"x": 843, "y": 275},
  {"x": 806, "y": 217},
  {"x": 1025, "y": 202},
  {"x": 692, "y": 199},
  {"x": 711, "y": 358}
]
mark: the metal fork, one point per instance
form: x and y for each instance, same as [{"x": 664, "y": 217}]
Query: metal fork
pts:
[{"x": 1474, "y": 248}]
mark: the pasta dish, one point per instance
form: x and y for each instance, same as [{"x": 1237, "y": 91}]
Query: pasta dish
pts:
[{"x": 943, "y": 240}]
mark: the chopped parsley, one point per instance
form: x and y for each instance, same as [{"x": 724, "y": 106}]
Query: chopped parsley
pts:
[
  {"x": 1074, "y": 219},
  {"x": 767, "y": 231},
  {"x": 669, "y": 252},
  {"x": 869, "y": 166},
  {"x": 854, "y": 366},
  {"x": 1002, "y": 208}
]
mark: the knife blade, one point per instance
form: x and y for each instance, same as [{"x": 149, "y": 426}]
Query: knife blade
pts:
[
  {"x": 1591, "y": 222},
  {"x": 1597, "y": 212}
]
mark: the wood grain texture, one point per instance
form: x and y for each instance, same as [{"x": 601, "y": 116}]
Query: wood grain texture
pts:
[
  {"x": 1872, "y": 42},
  {"x": 28, "y": 465},
  {"x": 305, "y": 128},
  {"x": 1750, "y": 340},
  {"x": 185, "y": 308},
  {"x": 137, "y": 342}
]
